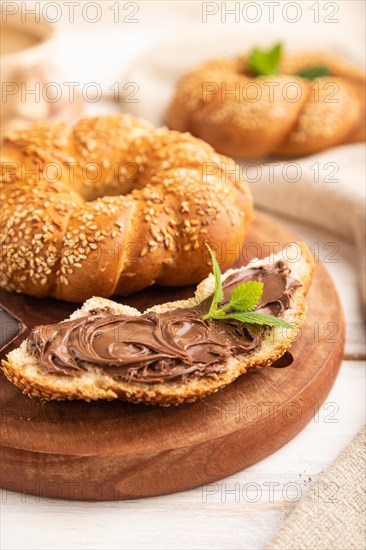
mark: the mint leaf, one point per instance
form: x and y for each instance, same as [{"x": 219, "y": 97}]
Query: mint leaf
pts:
[
  {"x": 265, "y": 62},
  {"x": 246, "y": 296},
  {"x": 243, "y": 300},
  {"x": 314, "y": 72},
  {"x": 254, "y": 318},
  {"x": 218, "y": 293}
]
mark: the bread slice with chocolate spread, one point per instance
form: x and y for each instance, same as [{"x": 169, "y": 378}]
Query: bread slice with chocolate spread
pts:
[{"x": 162, "y": 382}]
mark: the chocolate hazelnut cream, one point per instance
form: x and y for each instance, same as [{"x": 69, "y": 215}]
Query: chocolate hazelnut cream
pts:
[{"x": 161, "y": 347}]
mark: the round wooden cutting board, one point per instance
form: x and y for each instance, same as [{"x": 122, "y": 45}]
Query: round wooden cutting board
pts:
[{"x": 116, "y": 450}]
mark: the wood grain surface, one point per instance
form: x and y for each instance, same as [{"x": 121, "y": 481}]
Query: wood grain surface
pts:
[{"x": 115, "y": 450}]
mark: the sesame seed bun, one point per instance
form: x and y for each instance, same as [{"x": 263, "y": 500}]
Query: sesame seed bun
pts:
[
  {"x": 112, "y": 206},
  {"x": 251, "y": 117}
]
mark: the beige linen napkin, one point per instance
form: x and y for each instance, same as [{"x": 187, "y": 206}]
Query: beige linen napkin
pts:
[
  {"x": 327, "y": 189},
  {"x": 333, "y": 517}
]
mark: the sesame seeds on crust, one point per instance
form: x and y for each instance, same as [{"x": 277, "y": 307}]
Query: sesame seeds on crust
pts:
[{"x": 143, "y": 213}]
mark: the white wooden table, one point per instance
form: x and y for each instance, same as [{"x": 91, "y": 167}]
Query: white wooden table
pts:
[{"x": 211, "y": 516}]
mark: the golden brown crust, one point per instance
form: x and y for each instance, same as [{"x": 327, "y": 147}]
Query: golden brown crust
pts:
[
  {"x": 113, "y": 206},
  {"x": 23, "y": 371},
  {"x": 248, "y": 117}
]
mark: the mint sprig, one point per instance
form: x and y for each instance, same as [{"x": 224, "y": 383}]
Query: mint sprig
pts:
[
  {"x": 246, "y": 296},
  {"x": 254, "y": 318},
  {"x": 310, "y": 73},
  {"x": 218, "y": 294},
  {"x": 265, "y": 62},
  {"x": 243, "y": 300}
]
